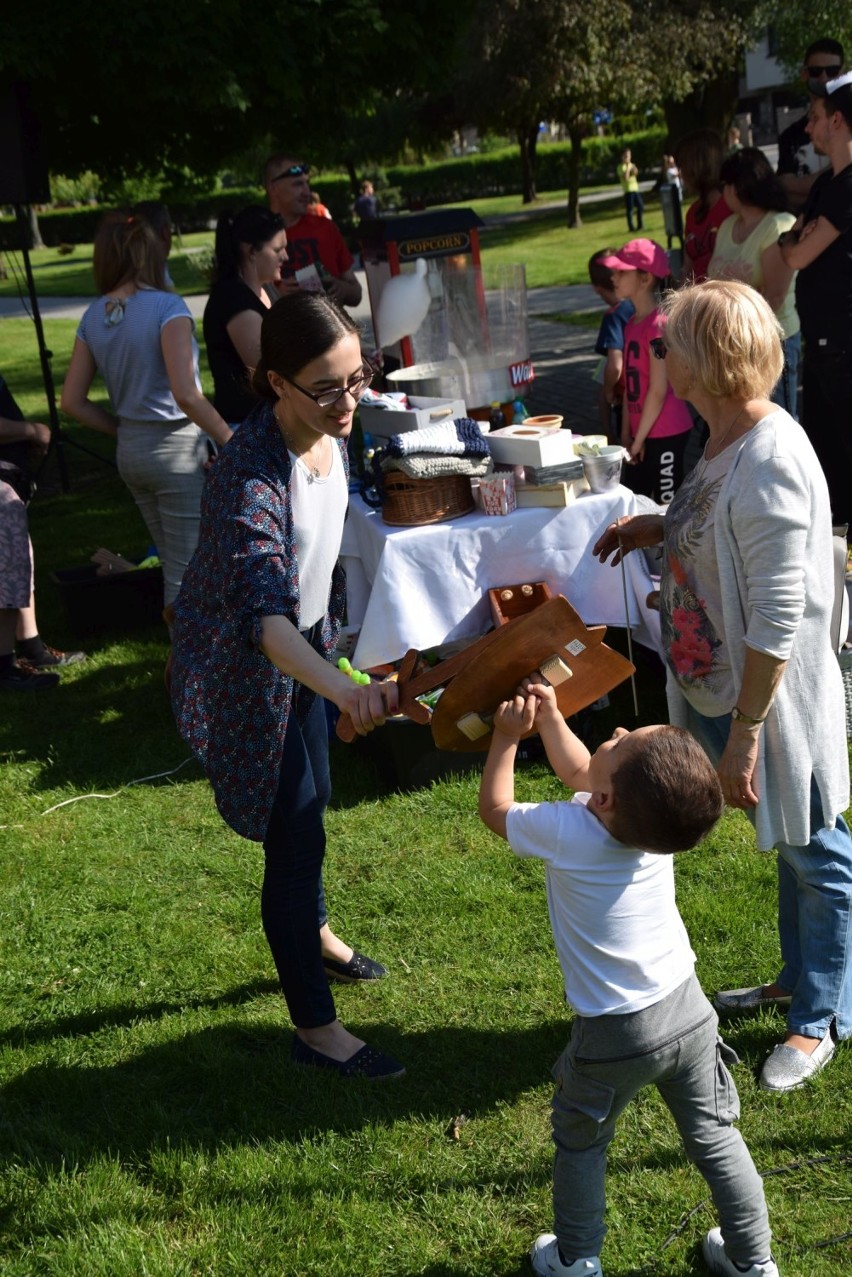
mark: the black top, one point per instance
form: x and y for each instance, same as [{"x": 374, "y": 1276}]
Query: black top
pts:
[
  {"x": 18, "y": 453},
  {"x": 233, "y": 397},
  {"x": 824, "y": 289}
]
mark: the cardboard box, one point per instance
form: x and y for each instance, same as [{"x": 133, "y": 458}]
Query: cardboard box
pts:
[
  {"x": 548, "y": 494},
  {"x": 530, "y": 446},
  {"x": 423, "y": 412}
]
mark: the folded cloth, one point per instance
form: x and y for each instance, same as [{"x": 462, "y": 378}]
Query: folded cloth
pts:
[
  {"x": 459, "y": 438},
  {"x": 392, "y": 401},
  {"x": 426, "y": 467}
]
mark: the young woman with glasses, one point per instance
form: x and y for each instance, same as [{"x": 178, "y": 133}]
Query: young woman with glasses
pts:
[{"x": 255, "y": 625}]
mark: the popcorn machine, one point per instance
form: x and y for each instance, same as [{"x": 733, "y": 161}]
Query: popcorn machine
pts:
[{"x": 455, "y": 329}]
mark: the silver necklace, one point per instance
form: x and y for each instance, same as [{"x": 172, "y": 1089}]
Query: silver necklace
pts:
[
  {"x": 707, "y": 457},
  {"x": 310, "y": 468}
]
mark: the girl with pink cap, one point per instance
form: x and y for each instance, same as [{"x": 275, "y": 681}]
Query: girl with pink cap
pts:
[{"x": 654, "y": 424}]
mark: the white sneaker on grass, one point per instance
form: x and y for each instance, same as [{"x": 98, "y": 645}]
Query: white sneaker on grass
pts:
[
  {"x": 718, "y": 1262},
  {"x": 544, "y": 1257}
]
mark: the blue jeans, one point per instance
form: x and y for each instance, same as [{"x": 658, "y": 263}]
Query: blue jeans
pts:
[
  {"x": 294, "y": 848},
  {"x": 634, "y": 206},
  {"x": 786, "y": 391},
  {"x": 814, "y": 911}
]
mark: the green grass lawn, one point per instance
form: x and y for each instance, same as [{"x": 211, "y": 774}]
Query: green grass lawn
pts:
[{"x": 150, "y": 1119}]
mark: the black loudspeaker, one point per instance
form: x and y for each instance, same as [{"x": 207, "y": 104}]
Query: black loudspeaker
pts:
[{"x": 23, "y": 165}]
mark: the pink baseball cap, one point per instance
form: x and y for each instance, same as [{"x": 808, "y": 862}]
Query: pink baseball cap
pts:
[{"x": 640, "y": 254}]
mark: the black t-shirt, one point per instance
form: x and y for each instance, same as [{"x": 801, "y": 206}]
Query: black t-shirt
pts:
[
  {"x": 233, "y": 397},
  {"x": 824, "y": 289},
  {"x": 18, "y": 453}
]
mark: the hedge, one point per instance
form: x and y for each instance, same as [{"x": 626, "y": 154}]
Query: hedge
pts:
[{"x": 414, "y": 186}]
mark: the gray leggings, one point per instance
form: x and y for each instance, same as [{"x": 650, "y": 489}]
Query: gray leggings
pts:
[
  {"x": 674, "y": 1046},
  {"x": 162, "y": 466}
]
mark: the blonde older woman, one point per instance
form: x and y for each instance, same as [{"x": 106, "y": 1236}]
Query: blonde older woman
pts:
[{"x": 746, "y": 598}]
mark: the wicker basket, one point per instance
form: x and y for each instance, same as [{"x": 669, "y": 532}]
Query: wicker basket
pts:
[{"x": 412, "y": 502}]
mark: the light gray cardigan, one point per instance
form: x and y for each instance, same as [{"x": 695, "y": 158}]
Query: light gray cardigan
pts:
[{"x": 776, "y": 573}]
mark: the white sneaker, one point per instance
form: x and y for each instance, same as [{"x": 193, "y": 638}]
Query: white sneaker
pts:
[
  {"x": 717, "y": 1261},
  {"x": 544, "y": 1257}
]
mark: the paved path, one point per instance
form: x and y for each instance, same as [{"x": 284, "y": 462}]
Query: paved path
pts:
[{"x": 563, "y": 355}]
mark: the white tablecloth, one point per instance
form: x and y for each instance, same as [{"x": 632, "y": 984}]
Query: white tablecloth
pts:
[{"x": 418, "y": 587}]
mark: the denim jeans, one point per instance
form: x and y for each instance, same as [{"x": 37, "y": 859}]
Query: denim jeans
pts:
[
  {"x": 634, "y": 207},
  {"x": 814, "y": 910},
  {"x": 294, "y": 847},
  {"x": 673, "y": 1045},
  {"x": 786, "y": 391}
]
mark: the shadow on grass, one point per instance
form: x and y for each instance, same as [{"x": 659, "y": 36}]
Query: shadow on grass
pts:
[{"x": 228, "y": 1085}]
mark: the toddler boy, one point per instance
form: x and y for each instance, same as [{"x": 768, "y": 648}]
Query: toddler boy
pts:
[{"x": 640, "y": 1015}]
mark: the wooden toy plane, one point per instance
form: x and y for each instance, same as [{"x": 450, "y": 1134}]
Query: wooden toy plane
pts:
[{"x": 551, "y": 638}]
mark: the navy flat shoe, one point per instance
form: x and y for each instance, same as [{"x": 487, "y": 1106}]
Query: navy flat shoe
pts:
[
  {"x": 367, "y": 1063},
  {"x": 359, "y": 967}
]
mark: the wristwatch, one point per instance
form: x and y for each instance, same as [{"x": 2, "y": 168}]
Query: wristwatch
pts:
[{"x": 739, "y": 717}]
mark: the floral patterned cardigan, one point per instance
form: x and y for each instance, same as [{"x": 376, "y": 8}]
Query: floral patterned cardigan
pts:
[{"x": 230, "y": 702}]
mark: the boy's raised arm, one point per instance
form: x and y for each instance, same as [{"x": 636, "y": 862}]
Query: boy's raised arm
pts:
[
  {"x": 497, "y": 788},
  {"x": 566, "y": 753}
]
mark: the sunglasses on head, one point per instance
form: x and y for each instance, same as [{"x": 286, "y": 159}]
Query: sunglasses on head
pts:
[
  {"x": 659, "y": 349},
  {"x": 295, "y": 170},
  {"x": 814, "y": 73}
]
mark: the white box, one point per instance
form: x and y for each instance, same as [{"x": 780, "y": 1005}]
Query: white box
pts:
[
  {"x": 530, "y": 445},
  {"x": 423, "y": 412}
]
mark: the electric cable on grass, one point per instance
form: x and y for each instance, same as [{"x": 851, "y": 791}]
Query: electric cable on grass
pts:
[
  {"x": 800, "y": 1163},
  {"x": 140, "y": 781}
]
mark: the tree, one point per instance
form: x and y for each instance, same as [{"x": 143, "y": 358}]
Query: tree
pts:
[
  {"x": 193, "y": 86},
  {"x": 795, "y": 25}
]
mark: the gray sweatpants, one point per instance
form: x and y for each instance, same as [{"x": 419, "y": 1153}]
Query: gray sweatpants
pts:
[
  {"x": 674, "y": 1046},
  {"x": 163, "y": 466}
]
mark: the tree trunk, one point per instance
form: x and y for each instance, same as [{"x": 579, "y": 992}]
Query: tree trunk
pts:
[
  {"x": 353, "y": 179},
  {"x": 527, "y": 141},
  {"x": 712, "y": 105},
  {"x": 35, "y": 238},
  {"x": 576, "y": 136}
]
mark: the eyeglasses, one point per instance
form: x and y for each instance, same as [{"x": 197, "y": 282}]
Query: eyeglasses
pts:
[
  {"x": 830, "y": 72},
  {"x": 659, "y": 348},
  {"x": 326, "y": 398},
  {"x": 295, "y": 170}
]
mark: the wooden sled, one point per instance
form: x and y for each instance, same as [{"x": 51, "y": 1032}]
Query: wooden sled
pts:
[{"x": 552, "y": 638}]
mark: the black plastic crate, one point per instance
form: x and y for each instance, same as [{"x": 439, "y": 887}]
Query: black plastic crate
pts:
[{"x": 115, "y": 601}]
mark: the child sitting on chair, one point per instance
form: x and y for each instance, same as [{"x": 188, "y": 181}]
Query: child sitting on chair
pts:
[{"x": 640, "y": 1015}]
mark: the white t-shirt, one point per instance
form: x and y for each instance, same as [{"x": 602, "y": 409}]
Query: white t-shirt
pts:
[
  {"x": 620, "y": 940},
  {"x": 319, "y": 510}
]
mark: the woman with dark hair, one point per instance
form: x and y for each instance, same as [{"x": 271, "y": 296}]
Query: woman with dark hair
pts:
[
  {"x": 250, "y": 249},
  {"x": 747, "y": 249},
  {"x": 140, "y": 338},
  {"x": 254, "y": 628},
  {"x": 699, "y": 158}
]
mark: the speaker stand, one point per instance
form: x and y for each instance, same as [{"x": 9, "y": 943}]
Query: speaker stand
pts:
[{"x": 59, "y": 438}]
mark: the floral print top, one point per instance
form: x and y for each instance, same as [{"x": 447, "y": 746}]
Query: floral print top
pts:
[{"x": 691, "y": 623}]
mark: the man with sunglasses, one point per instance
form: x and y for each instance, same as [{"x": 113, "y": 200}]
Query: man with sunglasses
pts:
[
  {"x": 799, "y": 163},
  {"x": 311, "y": 241},
  {"x": 819, "y": 247}
]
